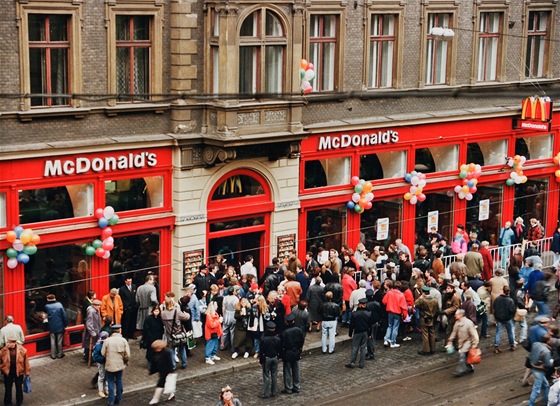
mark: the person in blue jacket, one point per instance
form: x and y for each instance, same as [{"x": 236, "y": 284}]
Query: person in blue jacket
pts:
[{"x": 57, "y": 321}]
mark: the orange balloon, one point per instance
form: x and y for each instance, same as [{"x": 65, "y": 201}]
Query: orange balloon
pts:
[
  {"x": 472, "y": 167},
  {"x": 556, "y": 160},
  {"x": 303, "y": 64},
  {"x": 35, "y": 239},
  {"x": 362, "y": 202},
  {"x": 368, "y": 187},
  {"x": 11, "y": 235},
  {"x": 407, "y": 196},
  {"x": 557, "y": 173}
]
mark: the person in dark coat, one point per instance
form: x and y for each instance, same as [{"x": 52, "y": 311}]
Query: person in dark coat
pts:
[
  {"x": 153, "y": 330},
  {"x": 504, "y": 310},
  {"x": 330, "y": 313},
  {"x": 163, "y": 365},
  {"x": 127, "y": 292},
  {"x": 302, "y": 317},
  {"x": 360, "y": 331},
  {"x": 292, "y": 346},
  {"x": 270, "y": 350},
  {"x": 376, "y": 312},
  {"x": 202, "y": 281},
  {"x": 315, "y": 298},
  {"x": 56, "y": 316}
]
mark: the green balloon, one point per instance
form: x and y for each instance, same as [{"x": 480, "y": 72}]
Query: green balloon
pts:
[
  {"x": 97, "y": 244},
  {"x": 114, "y": 220},
  {"x": 30, "y": 249},
  {"x": 11, "y": 253},
  {"x": 90, "y": 250},
  {"x": 510, "y": 181}
]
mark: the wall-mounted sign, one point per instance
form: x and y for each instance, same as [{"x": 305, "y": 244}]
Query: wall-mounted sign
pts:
[
  {"x": 191, "y": 261},
  {"x": 357, "y": 140},
  {"x": 286, "y": 243},
  {"x": 433, "y": 217},
  {"x": 536, "y": 114},
  {"x": 59, "y": 167}
]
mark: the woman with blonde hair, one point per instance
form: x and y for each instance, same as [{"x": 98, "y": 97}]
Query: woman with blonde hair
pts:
[
  {"x": 212, "y": 333},
  {"x": 172, "y": 317},
  {"x": 241, "y": 338},
  {"x": 256, "y": 326}
]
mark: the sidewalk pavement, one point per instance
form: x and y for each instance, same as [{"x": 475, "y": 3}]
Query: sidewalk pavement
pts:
[{"x": 67, "y": 381}]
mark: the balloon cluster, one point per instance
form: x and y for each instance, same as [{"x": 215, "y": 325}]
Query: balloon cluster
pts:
[
  {"x": 24, "y": 243},
  {"x": 470, "y": 174},
  {"x": 516, "y": 176},
  {"x": 102, "y": 247},
  {"x": 556, "y": 160},
  {"x": 362, "y": 196},
  {"x": 306, "y": 75},
  {"x": 417, "y": 182}
]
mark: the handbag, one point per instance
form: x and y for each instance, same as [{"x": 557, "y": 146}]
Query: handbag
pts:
[
  {"x": 170, "y": 384},
  {"x": 197, "y": 328},
  {"x": 254, "y": 326},
  {"x": 27, "y": 384},
  {"x": 481, "y": 309},
  {"x": 519, "y": 314},
  {"x": 179, "y": 336},
  {"x": 474, "y": 356}
]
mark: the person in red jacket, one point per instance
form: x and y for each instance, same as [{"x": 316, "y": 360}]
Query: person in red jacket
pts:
[
  {"x": 212, "y": 333},
  {"x": 488, "y": 267},
  {"x": 395, "y": 305},
  {"x": 348, "y": 286}
]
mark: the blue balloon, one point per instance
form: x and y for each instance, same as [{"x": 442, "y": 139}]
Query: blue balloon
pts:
[
  {"x": 103, "y": 222},
  {"x": 470, "y": 183},
  {"x": 18, "y": 230},
  {"x": 23, "y": 258},
  {"x": 350, "y": 204},
  {"x": 408, "y": 177}
]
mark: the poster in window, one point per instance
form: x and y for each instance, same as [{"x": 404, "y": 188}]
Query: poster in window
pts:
[
  {"x": 383, "y": 228},
  {"x": 191, "y": 261},
  {"x": 286, "y": 243},
  {"x": 433, "y": 219},
  {"x": 484, "y": 209}
]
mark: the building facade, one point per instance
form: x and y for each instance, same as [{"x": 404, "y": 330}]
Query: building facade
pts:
[{"x": 188, "y": 118}]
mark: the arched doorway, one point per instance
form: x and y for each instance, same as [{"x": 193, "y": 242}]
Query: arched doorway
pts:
[{"x": 239, "y": 210}]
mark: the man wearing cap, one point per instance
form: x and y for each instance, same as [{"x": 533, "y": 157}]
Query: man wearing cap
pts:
[
  {"x": 292, "y": 346},
  {"x": 112, "y": 305},
  {"x": 11, "y": 330},
  {"x": 92, "y": 327},
  {"x": 270, "y": 349},
  {"x": 467, "y": 338},
  {"x": 359, "y": 330},
  {"x": 14, "y": 365},
  {"x": 117, "y": 353},
  {"x": 146, "y": 298},
  {"x": 429, "y": 309},
  {"x": 58, "y": 321},
  {"x": 127, "y": 293},
  {"x": 202, "y": 281}
]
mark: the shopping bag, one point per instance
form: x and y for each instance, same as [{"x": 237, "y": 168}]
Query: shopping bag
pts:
[
  {"x": 170, "y": 384},
  {"x": 197, "y": 328},
  {"x": 27, "y": 384},
  {"x": 191, "y": 341},
  {"x": 474, "y": 356}
]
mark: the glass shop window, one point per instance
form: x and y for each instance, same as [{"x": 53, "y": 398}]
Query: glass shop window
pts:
[
  {"x": 437, "y": 159},
  {"x": 2, "y": 210},
  {"x": 134, "y": 194},
  {"x": 383, "y": 165},
  {"x": 537, "y": 147},
  {"x": 326, "y": 227},
  {"x": 238, "y": 186},
  {"x": 134, "y": 255},
  {"x": 55, "y": 203},
  {"x": 487, "y": 153},
  {"x": 327, "y": 172},
  {"x": 486, "y": 229}
]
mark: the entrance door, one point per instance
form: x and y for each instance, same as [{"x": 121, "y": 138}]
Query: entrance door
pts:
[
  {"x": 239, "y": 219},
  {"x": 235, "y": 248}
]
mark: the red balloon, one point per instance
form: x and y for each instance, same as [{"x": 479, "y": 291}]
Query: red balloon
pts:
[
  {"x": 108, "y": 245},
  {"x": 100, "y": 252},
  {"x": 106, "y": 232},
  {"x": 368, "y": 205},
  {"x": 354, "y": 180},
  {"x": 99, "y": 213}
]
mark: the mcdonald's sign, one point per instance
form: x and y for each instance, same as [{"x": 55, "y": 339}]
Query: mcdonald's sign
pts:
[{"x": 536, "y": 114}]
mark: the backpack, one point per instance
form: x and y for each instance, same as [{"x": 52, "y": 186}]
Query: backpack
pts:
[{"x": 96, "y": 355}]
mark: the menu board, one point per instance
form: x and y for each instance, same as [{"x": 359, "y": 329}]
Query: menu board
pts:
[
  {"x": 286, "y": 243},
  {"x": 191, "y": 261}
]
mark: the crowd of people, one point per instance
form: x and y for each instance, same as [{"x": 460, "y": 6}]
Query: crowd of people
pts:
[{"x": 385, "y": 295}]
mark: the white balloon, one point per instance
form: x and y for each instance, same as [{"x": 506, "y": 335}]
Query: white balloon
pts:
[
  {"x": 414, "y": 180},
  {"x": 413, "y": 200},
  {"x": 468, "y": 196},
  {"x": 309, "y": 74},
  {"x": 458, "y": 188},
  {"x": 422, "y": 183},
  {"x": 461, "y": 195},
  {"x": 108, "y": 212},
  {"x": 107, "y": 254}
]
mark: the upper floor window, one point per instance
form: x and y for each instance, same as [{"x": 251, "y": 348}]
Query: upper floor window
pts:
[
  {"x": 489, "y": 44},
  {"x": 536, "y": 57},
  {"x": 437, "y": 50},
  {"x": 323, "y": 50},
  {"x": 49, "y": 50},
  {"x": 381, "y": 50},
  {"x": 134, "y": 45},
  {"x": 262, "y": 47}
]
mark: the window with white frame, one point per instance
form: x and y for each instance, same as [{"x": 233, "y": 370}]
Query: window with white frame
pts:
[
  {"x": 262, "y": 48},
  {"x": 538, "y": 27},
  {"x": 323, "y": 34},
  {"x": 381, "y": 50},
  {"x": 489, "y": 43},
  {"x": 437, "y": 50}
]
